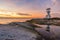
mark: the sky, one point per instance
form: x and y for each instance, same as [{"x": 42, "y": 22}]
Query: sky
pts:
[{"x": 29, "y": 8}]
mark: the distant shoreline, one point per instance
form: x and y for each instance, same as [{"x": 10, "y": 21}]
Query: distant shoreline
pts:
[
  {"x": 9, "y": 20},
  {"x": 15, "y": 18}
]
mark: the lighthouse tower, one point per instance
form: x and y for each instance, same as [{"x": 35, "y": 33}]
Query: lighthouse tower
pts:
[
  {"x": 48, "y": 12},
  {"x": 49, "y": 16}
]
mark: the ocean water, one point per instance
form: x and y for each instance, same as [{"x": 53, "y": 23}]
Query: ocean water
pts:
[
  {"x": 55, "y": 30},
  {"x": 6, "y": 21}
]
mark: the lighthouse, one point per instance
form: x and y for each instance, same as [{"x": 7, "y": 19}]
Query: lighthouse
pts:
[
  {"x": 48, "y": 22},
  {"x": 48, "y": 12}
]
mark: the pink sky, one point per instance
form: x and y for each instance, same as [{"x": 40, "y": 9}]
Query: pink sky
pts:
[{"x": 35, "y": 8}]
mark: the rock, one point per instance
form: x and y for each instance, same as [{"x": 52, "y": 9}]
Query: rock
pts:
[
  {"x": 8, "y": 32},
  {"x": 25, "y": 24},
  {"x": 46, "y": 35}
]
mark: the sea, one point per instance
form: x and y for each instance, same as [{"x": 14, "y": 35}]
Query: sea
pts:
[{"x": 9, "y": 20}]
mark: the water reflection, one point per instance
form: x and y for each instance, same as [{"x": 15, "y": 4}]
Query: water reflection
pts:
[
  {"x": 5, "y": 21},
  {"x": 55, "y": 29}
]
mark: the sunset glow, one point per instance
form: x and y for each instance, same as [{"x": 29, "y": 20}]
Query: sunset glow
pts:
[
  {"x": 35, "y": 8},
  {"x": 4, "y": 13}
]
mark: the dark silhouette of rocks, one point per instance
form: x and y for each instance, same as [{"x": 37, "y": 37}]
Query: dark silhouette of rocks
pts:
[{"x": 44, "y": 21}]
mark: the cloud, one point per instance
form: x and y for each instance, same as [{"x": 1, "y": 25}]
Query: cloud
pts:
[
  {"x": 27, "y": 7},
  {"x": 24, "y": 14},
  {"x": 55, "y": 15},
  {"x": 54, "y": 2}
]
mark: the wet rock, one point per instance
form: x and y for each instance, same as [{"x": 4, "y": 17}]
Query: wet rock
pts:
[{"x": 8, "y": 32}]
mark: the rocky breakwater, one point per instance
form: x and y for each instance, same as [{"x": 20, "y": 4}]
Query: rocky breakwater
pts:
[
  {"x": 23, "y": 31},
  {"x": 18, "y": 31}
]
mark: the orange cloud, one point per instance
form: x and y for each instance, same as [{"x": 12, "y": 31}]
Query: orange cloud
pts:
[{"x": 38, "y": 15}]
